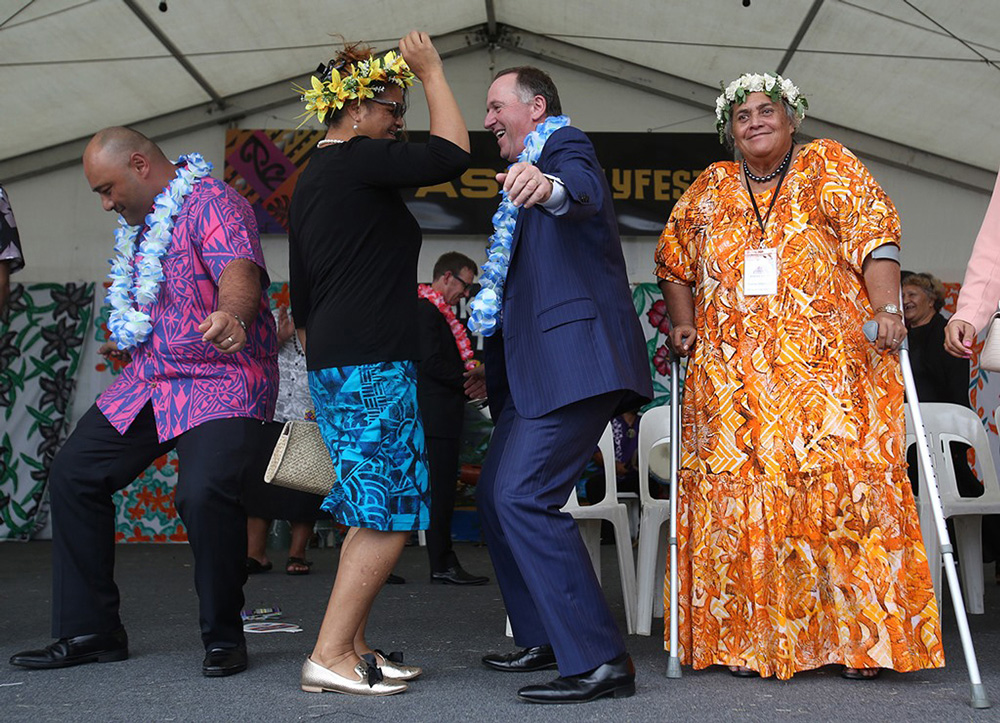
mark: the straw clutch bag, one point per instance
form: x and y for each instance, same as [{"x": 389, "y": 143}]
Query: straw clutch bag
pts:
[
  {"x": 989, "y": 357},
  {"x": 301, "y": 461}
]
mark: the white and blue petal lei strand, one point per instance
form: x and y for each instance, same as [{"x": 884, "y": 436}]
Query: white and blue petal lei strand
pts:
[
  {"x": 484, "y": 310},
  {"x": 136, "y": 284}
]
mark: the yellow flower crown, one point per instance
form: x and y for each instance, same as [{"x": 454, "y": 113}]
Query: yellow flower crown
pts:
[{"x": 355, "y": 81}]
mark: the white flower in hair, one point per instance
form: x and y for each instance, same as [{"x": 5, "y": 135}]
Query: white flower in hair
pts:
[{"x": 773, "y": 85}]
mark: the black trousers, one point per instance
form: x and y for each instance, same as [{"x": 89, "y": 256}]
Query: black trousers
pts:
[
  {"x": 97, "y": 461},
  {"x": 442, "y": 459}
]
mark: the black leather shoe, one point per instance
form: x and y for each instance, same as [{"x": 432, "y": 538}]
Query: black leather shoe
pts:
[
  {"x": 455, "y": 575},
  {"x": 220, "y": 662},
  {"x": 101, "y": 648},
  {"x": 528, "y": 660},
  {"x": 615, "y": 678}
]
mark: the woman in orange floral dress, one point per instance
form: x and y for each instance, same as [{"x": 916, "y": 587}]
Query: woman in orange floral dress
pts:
[{"x": 798, "y": 534}]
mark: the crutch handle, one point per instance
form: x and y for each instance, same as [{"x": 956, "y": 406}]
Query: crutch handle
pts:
[{"x": 870, "y": 330}]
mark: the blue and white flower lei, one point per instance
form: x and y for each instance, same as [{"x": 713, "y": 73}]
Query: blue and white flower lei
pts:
[
  {"x": 484, "y": 310},
  {"x": 129, "y": 324}
]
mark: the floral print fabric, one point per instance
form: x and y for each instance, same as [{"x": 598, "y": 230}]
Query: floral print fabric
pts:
[
  {"x": 798, "y": 534},
  {"x": 40, "y": 352}
]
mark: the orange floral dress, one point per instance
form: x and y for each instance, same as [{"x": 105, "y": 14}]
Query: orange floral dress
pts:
[{"x": 798, "y": 534}]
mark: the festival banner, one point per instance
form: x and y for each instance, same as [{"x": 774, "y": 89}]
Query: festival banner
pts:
[{"x": 647, "y": 173}]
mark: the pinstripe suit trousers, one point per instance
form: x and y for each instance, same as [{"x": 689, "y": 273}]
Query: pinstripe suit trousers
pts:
[{"x": 549, "y": 587}]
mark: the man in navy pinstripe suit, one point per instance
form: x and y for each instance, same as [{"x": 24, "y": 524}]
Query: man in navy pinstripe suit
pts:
[{"x": 569, "y": 356}]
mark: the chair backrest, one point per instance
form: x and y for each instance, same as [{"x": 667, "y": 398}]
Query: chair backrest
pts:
[
  {"x": 947, "y": 423},
  {"x": 607, "y": 447},
  {"x": 654, "y": 430}
]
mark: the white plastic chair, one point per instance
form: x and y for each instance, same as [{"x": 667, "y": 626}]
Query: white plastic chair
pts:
[
  {"x": 945, "y": 424},
  {"x": 589, "y": 518},
  {"x": 654, "y": 432}
]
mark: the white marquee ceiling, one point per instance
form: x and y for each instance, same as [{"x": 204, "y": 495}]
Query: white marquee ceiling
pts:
[{"x": 917, "y": 80}]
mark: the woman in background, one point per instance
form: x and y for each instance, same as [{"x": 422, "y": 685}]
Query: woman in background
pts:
[{"x": 265, "y": 502}]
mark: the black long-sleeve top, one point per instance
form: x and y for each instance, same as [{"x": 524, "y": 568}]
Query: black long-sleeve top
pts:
[
  {"x": 939, "y": 376},
  {"x": 353, "y": 248}
]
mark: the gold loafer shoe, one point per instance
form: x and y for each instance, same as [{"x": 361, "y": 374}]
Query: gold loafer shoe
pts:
[
  {"x": 392, "y": 667},
  {"x": 317, "y": 679}
]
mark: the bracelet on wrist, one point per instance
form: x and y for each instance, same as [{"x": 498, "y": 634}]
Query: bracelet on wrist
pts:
[{"x": 242, "y": 323}]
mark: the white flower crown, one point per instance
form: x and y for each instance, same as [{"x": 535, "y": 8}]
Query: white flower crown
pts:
[{"x": 776, "y": 88}]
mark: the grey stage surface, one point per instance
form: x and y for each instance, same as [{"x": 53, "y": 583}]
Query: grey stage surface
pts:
[{"x": 445, "y": 629}]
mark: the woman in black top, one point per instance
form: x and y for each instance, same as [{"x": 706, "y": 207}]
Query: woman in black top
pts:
[
  {"x": 938, "y": 376},
  {"x": 353, "y": 262}
]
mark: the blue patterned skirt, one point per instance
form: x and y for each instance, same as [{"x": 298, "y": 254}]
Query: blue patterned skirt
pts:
[{"x": 369, "y": 419}]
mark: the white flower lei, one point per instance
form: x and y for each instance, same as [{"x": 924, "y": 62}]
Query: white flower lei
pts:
[
  {"x": 776, "y": 87},
  {"x": 129, "y": 324}
]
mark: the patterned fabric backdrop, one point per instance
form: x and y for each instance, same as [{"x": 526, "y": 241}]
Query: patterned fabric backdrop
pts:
[
  {"x": 51, "y": 329},
  {"x": 264, "y": 167},
  {"x": 40, "y": 344}
]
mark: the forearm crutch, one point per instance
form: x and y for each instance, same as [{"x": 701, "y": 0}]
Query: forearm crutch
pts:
[
  {"x": 674, "y": 662},
  {"x": 979, "y": 697}
]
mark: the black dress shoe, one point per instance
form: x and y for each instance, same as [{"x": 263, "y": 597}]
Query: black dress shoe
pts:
[
  {"x": 457, "y": 576},
  {"x": 220, "y": 662},
  {"x": 615, "y": 678},
  {"x": 395, "y": 580},
  {"x": 100, "y": 648},
  {"x": 528, "y": 660}
]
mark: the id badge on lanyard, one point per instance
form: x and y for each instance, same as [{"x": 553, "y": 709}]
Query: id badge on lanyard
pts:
[
  {"x": 760, "y": 272},
  {"x": 760, "y": 266}
]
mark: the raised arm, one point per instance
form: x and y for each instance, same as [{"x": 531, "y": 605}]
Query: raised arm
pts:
[{"x": 446, "y": 119}]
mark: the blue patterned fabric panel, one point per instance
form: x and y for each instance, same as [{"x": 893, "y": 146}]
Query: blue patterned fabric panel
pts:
[{"x": 370, "y": 422}]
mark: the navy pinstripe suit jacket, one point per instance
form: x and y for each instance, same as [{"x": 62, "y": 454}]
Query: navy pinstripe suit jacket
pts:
[{"x": 569, "y": 328}]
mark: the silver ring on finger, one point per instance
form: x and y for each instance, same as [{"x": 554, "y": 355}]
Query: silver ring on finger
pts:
[{"x": 230, "y": 340}]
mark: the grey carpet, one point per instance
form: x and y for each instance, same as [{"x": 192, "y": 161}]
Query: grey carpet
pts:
[{"x": 445, "y": 629}]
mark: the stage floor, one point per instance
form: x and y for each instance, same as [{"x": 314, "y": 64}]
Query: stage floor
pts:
[{"x": 442, "y": 628}]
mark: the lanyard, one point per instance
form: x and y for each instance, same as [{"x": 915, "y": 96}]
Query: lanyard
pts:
[{"x": 770, "y": 207}]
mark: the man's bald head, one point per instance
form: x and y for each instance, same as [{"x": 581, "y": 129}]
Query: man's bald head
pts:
[
  {"x": 127, "y": 170},
  {"x": 118, "y": 143}
]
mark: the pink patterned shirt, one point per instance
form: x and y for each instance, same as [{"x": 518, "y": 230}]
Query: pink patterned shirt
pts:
[{"x": 185, "y": 378}]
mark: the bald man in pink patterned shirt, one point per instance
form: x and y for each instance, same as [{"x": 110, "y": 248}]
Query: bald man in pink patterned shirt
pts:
[{"x": 199, "y": 378}]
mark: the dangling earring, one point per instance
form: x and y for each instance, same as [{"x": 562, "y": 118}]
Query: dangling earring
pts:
[{"x": 355, "y": 126}]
